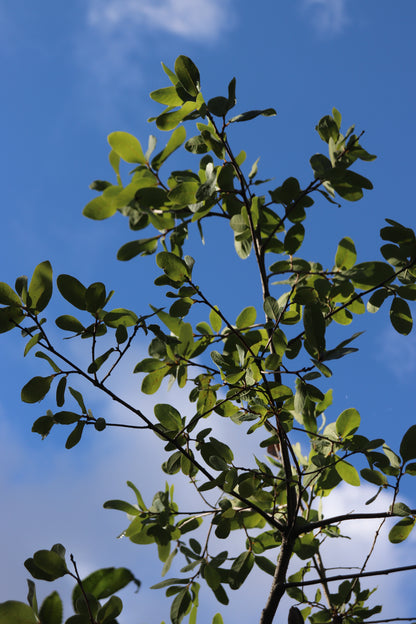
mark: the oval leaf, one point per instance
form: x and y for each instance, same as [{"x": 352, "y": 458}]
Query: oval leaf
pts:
[
  {"x": 401, "y": 530},
  {"x": 174, "y": 267},
  {"x": 14, "y": 612},
  {"x": 408, "y": 444},
  {"x": 400, "y": 316},
  {"x": 348, "y": 421},
  {"x": 51, "y": 610},
  {"x": 72, "y": 290},
  {"x": 36, "y": 389},
  {"x": 188, "y": 75},
  {"x": 8, "y": 296},
  {"x": 347, "y": 472},
  {"x": 127, "y": 147},
  {"x": 40, "y": 288}
]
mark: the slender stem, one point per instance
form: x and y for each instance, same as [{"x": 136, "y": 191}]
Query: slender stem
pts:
[
  {"x": 90, "y": 616},
  {"x": 343, "y": 577}
]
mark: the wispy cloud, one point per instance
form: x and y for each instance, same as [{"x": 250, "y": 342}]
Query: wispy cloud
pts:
[
  {"x": 329, "y": 17},
  {"x": 113, "y": 43},
  {"x": 192, "y": 19}
]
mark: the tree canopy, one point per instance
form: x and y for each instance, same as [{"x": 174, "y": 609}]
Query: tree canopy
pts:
[{"x": 266, "y": 370}]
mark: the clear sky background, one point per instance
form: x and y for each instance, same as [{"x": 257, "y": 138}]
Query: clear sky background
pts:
[{"x": 72, "y": 73}]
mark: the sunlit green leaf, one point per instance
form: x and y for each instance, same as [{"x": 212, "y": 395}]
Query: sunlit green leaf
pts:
[
  {"x": 347, "y": 472},
  {"x": 127, "y": 147},
  {"x": 401, "y": 530},
  {"x": 346, "y": 254},
  {"x": 347, "y": 422}
]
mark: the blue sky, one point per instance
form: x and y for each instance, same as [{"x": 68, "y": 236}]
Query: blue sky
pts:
[{"x": 72, "y": 73}]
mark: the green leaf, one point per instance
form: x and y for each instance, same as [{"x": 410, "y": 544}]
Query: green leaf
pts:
[
  {"x": 218, "y": 106},
  {"x": 120, "y": 316},
  {"x": 177, "y": 137},
  {"x": 66, "y": 418},
  {"x": 40, "y": 287},
  {"x": 43, "y": 425},
  {"x": 75, "y": 435},
  {"x": 110, "y": 610},
  {"x": 120, "y": 505},
  {"x": 31, "y": 595},
  {"x": 169, "y": 120},
  {"x": 267, "y": 112},
  {"x": 180, "y": 606},
  {"x": 51, "y": 563},
  {"x": 9, "y": 318},
  {"x": 72, "y": 290},
  {"x": 36, "y": 389},
  {"x": 346, "y": 254},
  {"x": 246, "y": 318},
  {"x": 51, "y": 610},
  {"x": 314, "y": 324},
  {"x": 14, "y": 612},
  {"x": 69, "y": 323},
  {"x": 265, "y": 564},
  {"x": 347, "y": 422},
  {"x": 369, "y": 274},
  {"x": 127, "y": 147},
  {"x": 168, "y": 416},
  {"x": 377, "y": 299},
  {"x": 400, "y": 509},
  {"x": 295, "y": 616},
  {"x": 196, "y": 145},
  {"x": 188, "y": 75},
  {"x": 151, "y": 383},
  {"x": 95, "y": 297},
  {"x": 401, "y": 530},
  {"x": 167, "y": 96},
  {"x": 8, "y": 296},
  {"x": 217, "y": 619},
  {"x": 143, "y": 246},
  {"x": 241, "y": 568},
  {"x": 174, "y": 267},
  {"x": 44, "y": 356},
  {"x": 400, "y": 316},
  {"x": 103, "y": 583},
  {"x": 215, "y": 320},
  {"x": 78, "y": 398},
  {"x": 294, "y": 238},
  {"x": 347, "y": 472},
  {"x": 100, "y": 208},
  {"x": 327, "y": 128},
  {"x": 408, "y": 444},
  {"x": 374, "y": 476}
]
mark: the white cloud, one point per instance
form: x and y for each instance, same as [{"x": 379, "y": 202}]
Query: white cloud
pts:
[
  {"x": 327, "y": 16},
  {"x": 192, "y": 19},
  {"x": 113, "y": 44},
  {"x": 391, "y": 591}
]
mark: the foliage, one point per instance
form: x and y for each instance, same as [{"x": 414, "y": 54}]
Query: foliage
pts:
[{"x": 260, "y": 371}]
